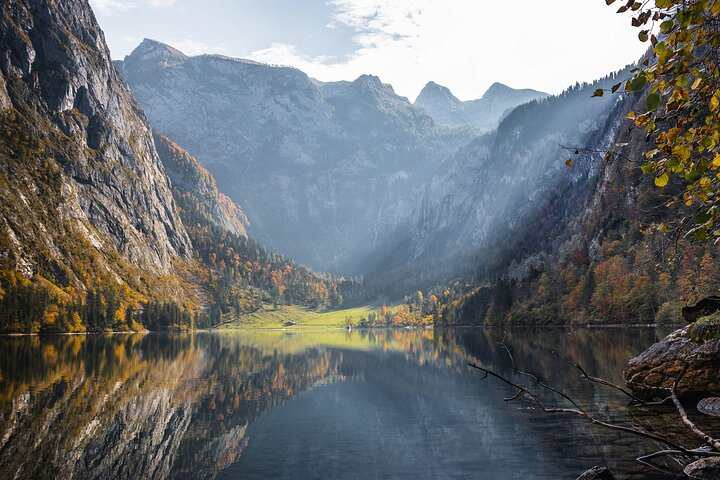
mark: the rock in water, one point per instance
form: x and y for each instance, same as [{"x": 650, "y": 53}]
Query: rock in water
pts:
[
  {"x": 653, "y": 372},
  {"x": 704, "y": 469},
  {"x": 709, "y": 406},
  {"x": 597, "y": 473}
]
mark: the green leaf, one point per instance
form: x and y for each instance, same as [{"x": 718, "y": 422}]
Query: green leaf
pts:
[
  {"x": 666, "y": 26},
  {"x": 653, "y": 101},
  {"x": 693, "y": 176},
  {"x": 702, "y": 217},
  {"x": 700, "y": 234},
  {"x": 638, "y": 83}
]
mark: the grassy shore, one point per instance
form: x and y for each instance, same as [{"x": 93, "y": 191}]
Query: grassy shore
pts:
[{"x": 267, "y": 317}]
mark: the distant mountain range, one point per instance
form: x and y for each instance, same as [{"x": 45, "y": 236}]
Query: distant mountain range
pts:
[
  {"x": 485, "y": 112},
  {"x": 327, "y": 173},
  {"x": 101, "y": 213}
]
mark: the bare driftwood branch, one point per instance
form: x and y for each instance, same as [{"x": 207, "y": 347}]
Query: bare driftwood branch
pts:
[
  {"x": 524, "y": 392},
  {"x": 713, "y": 442},
  {"x": 676, "y": 452},
  {"x": 597, "y": 380}
]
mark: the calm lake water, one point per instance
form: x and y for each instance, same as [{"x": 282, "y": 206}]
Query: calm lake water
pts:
[{"x": 327, "y": 405}]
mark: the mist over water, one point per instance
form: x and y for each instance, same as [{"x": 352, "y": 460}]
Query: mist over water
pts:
[{"x": 323, "y": 404}]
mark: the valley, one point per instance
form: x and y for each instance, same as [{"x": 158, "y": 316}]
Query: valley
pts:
[{"x": 281, "y": 190}]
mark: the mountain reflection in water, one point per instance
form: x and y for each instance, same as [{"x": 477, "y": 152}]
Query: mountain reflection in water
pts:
[{"x": 325, "y": 404}]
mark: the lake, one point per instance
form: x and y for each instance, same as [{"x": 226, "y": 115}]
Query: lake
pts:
[{"x": 315, "y": 404}]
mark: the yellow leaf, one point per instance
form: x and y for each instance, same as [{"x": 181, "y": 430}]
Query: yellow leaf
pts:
[
  {"x": 682, "y": 152},
  {"x": 696, "y": 83},
  {"x": 716, "y": 160},
  {"x": 714, "y": 103},
  {"x": 672, "y": 134},
  {"x": 569, "y": 162},
  {"x": 662, "y": 180}
]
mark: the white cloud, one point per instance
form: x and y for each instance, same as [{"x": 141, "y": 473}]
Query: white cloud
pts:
[
  {"x": 468, "y": 44},
  {"x": 160, "y": 3},
  {"x": 194, "y": 47},
  {"x": 112, "y": 7},
  {"x": 286, "y": 54}
]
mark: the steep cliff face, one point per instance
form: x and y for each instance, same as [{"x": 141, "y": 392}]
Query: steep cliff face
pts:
[
  {"x": 327, "y": 173},
  {"x": 495, "y": 183},
  {"x": 191, "y": 182},
  {"x": 84, "y": 194},
  {"x": 485, "y": 113}
]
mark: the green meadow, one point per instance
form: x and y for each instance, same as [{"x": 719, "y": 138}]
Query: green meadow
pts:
[{"x": 268, "y": 317}]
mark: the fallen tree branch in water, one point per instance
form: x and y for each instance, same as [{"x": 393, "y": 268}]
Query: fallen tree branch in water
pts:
[
  {"x": 675, "y": 452},
  {"x": 598, "y": 380},
  {"x": 714, "y": 443},
  {"x": 524, "y": 392}
]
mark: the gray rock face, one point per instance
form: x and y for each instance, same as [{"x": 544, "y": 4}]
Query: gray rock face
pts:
[
  {"x": 328, "y": 173},
  {"x": 660, "y": 365},
  {"x": 485, "y": 112},
  {"x": 190, "y": 178},
  {"x": 104, "y": 188}
]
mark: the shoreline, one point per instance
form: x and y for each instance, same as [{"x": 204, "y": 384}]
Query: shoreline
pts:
[{"x": 299, "y": 328}]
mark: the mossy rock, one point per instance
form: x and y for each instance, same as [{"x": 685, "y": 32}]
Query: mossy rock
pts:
[{"x": 705, "y": 328}]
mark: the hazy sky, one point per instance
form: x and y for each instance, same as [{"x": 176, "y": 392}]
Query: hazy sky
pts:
[{"x": 465, "y": 45}]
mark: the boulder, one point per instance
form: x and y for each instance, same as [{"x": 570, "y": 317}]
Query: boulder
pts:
[
  {"x": 597, "y": 473},
  {"x": 653, "y": 372},
  {"x": 704, "y": 469}
]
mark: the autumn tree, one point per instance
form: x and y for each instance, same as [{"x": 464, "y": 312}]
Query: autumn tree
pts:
[{"x": 681, "y": 114}]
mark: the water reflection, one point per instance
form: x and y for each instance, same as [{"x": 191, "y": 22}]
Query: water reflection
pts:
[{"x": 362, "y": 404}]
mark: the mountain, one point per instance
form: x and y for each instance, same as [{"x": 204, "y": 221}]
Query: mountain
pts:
[
  {"x": 84, "y": 195},
  {"x": 327, "y": 173},
  {"x": 191, "y": 182},
  {"x": 537, "y": 239},
  {"x": 492, "y": 183},
  {"x": 484, "y": 113},
  {"x": 98, "y": 231},
  {"x": 475, "y": 213}
]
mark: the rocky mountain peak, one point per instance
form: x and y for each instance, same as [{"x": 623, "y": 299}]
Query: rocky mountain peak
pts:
[
  {"x": 485, "y": 112},
  {"x": 432, "y": 90},
  {"x": 435, "y": 98},
  {"x": 372, "y": 82},
  {"x": 156, "y": 53},
  {"x": 496, "y": 88}
]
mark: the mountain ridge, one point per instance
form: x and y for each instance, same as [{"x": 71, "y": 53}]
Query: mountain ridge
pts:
[
  {"x": 261, "y": 128},
  {"x": 485, "y": 112}
]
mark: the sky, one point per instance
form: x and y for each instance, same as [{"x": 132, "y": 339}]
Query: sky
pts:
[{"x": 465, "y": 45}]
